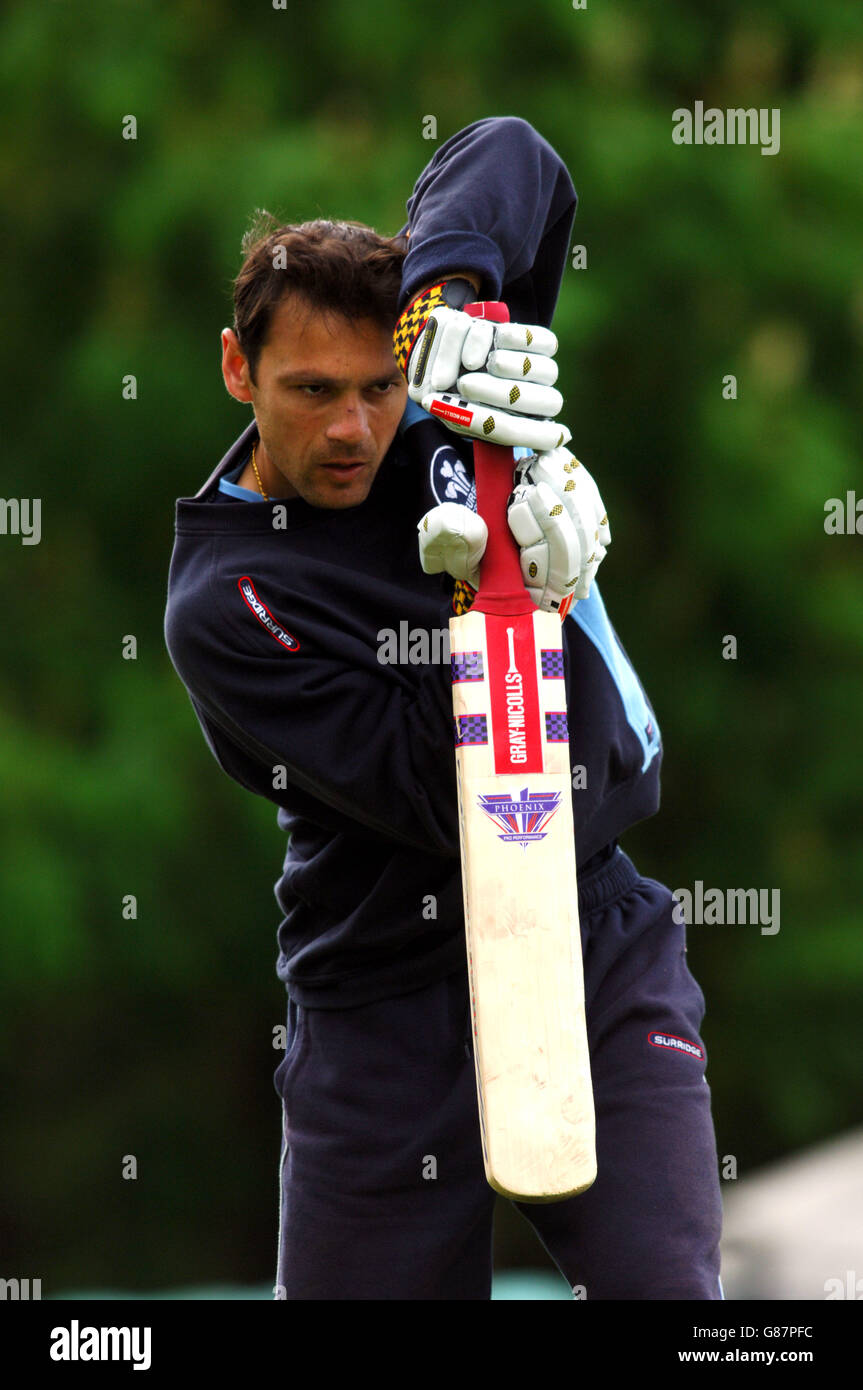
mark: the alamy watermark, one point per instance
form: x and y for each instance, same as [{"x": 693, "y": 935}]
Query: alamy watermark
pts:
[
  {"x": 21, "y": 516},
  {"x": 849, "y": 1288},
  {"x": 20, "y": 1290},
  {"x": 728, "y": 907},
  {"x": 413, "y": 646},
  {"x": 77, "y": 1343},
  {"x": 844, "y": 515},
  {"x": 736, "y": 126}
]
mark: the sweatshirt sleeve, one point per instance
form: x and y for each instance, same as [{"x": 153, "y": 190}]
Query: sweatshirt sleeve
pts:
[
  {"x": 328, "y": 733},
  {"x": 498, "y": 200}
]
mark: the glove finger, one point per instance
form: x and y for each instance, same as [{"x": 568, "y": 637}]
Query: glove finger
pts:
[
  {"x": 564, "y": 560},
  {"x": 530, "y": 434},
  {"x": 562, "y": 471},
  {"x": 564, "y": 543},
  {"x": 477, "y": 345},
  {"x": 446, "y": 362},
  {"x": 547, "y": 506},
  {"x": 552, "y": 565},
  {"x": 566, "y": 480},
  {"x": 603, "y": 532},
  {"x": 588, "y": 507},
  {"x": 522, "y": 522},
  {"x": 481, "y": 422},
  {"x": 534, "y": 567},
  {"x": 452, "y": 537},
  {"x": 523, "y": 366},
  {"x": 582, "y": 588},
  {"x": 518, "y": 336},
  {"x": 521, "y": 397}
]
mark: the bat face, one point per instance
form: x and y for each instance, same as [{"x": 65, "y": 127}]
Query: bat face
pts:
[{"x": 521, "y": 905}]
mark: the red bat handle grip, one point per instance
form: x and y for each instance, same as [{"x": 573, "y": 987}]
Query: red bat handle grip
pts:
[{"x": 501, "y": 587}]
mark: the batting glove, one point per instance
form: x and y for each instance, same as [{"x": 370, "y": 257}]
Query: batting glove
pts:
[
  {"x": 559, "y": 519},
  {"x": 453, "y": 540},
  {"x": 456, "y": 366}
]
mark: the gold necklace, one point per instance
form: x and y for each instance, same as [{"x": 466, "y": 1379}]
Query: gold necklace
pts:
[{"x": 257, "y": 475}]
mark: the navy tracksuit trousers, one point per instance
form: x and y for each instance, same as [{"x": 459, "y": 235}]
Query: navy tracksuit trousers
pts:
[{"x": 382, "y": 1189}]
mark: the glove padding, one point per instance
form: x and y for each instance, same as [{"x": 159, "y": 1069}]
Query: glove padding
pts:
[
  {"x": 453, "y": 539},
  {"x": 559, "y": 520},
  {"x": 453, "y": 342},
  {"x": 496, "y": 426},
  {"x": 555, "y": 513}
]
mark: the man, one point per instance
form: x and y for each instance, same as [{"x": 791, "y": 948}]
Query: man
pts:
[{"x": 293, "y": 566}]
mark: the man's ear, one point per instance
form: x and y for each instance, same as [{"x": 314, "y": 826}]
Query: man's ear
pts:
[{"x": 235, "y": 367}]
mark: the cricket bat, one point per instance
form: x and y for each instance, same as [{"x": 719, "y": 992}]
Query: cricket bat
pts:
[{"x": 518, "y": 867}]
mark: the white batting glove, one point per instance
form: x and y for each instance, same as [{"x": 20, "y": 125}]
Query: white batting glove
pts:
[
  {"x": 453, "y": 539},
  {"x": 559, "y": 519},
  {"x": 460, "y": 364}
]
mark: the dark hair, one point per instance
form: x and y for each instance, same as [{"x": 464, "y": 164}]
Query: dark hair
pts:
[{"x": 341, "y": 268}]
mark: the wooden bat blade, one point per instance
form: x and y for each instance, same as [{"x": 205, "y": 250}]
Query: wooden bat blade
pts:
[{"x": 521, "y": 905}]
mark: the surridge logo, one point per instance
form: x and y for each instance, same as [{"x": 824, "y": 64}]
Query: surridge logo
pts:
[
  {"x": 522, "y": 819},
  {"x": 675, "y": 1044},
  {"x": 265, "y": 617}
]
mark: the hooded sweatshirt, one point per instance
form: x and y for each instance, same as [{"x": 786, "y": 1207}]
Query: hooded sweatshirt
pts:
[{"x": 313, "y": 646}]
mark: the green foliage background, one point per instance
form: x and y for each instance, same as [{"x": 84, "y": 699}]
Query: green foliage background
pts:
[{"x": 152, "y": 1037}]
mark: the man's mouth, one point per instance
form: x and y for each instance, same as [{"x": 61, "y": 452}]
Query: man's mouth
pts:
[{"x": 345, "y": 468}]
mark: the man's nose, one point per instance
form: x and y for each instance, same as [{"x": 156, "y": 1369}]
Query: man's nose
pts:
[{"x": 350, "y": 422}]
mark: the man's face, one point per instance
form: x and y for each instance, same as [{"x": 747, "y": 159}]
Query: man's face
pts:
[{"x": 328, "y": 397}]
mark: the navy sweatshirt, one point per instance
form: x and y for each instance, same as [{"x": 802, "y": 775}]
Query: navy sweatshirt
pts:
[{"x": 278, "y": 633}]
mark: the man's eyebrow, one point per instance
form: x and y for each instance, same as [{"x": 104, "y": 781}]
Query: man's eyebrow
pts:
[{"x": 310, "y": 378}]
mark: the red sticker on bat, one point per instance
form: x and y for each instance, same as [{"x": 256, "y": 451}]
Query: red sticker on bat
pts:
[{"x": 513, "y": 695}]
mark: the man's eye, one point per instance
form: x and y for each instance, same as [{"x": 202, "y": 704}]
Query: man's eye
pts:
[
  {"x": 312, "y": 389},
  {"x": 384, "y": 386}
]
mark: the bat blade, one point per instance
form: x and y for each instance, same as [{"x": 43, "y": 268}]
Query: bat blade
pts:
[{"x": 521, "y": 905}]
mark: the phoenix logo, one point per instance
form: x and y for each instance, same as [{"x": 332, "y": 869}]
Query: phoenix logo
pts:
[{"x": 521, "y": 819}]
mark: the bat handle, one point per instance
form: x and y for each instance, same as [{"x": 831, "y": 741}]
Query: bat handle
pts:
[{"x": 501, "y": 586}]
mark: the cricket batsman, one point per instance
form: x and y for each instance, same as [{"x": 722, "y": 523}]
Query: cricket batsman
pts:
[{"x": 312, "y": 576}]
